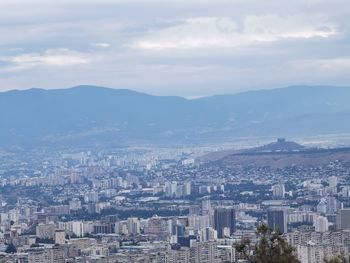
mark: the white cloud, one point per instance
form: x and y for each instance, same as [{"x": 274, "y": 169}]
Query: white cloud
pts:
[
  {"x": 274, "y": 27},
  {"x": 209, "y": 46},
  {"x": 207, "y": 32},
  {"x": 328, "y": 65},
  {"x": 101, "y": 45},
  {"x": 51, "y": 57}
]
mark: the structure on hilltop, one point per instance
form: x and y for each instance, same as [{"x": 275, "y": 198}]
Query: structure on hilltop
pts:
[{"x": 281, "y": 145}]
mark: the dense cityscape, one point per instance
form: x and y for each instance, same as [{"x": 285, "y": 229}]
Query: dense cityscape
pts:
[
  {"x": 174, "y": 131},
  {"x": 166, "y": 205}
]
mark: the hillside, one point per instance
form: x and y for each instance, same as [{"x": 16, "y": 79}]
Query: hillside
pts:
[
  {"x": 280, "y": 160},
  {"x": 279, "y": 146},
  {"x": 277, "y": 155}
]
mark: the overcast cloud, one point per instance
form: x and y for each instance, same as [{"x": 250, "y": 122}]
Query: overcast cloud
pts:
[{"x": 174, "y": 47}]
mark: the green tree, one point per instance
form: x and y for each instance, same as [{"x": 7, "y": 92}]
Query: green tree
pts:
[
  {"x": 271, "y": 248},
  {"x": 337, "y": 259}
]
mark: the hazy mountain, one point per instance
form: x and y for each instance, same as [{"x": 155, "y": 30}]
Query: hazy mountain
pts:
[{"x": 93, "y": 115}]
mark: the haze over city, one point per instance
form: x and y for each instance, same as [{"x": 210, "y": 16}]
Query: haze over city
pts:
[{"x": 174, "y": 131}]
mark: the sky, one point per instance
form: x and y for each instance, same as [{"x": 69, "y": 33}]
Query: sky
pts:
[{"x": 188, "y": 48}]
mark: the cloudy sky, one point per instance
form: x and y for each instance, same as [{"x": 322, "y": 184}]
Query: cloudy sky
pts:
[{"x": 174, "y": 47}]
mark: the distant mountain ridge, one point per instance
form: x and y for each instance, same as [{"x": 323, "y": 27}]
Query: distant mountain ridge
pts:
[{"x": 89, "y": 115}]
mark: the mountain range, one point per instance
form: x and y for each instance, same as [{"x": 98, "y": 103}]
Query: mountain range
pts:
[{"x": 90, "y": 115}]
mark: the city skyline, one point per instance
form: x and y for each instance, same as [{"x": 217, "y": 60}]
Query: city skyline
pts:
[{"x": 178, "y": 131}]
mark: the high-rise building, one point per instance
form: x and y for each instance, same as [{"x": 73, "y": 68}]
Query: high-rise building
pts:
[
  {"x": 278, "y": 190},
  {"x": 333, "y": 181},
  {"x": 38, "y": 255},
  {"x": 345, "y": 191},
  {"x": 321, "y": 224},
  {"x": 343, "y": 219},
  {"x": 170, "y": 189},
  {"x": 133, "y": 225},
  {"x": 14, "y": 215},
  {"x": 46, "y": 255},
  {"x": 57, "y": 254},
  {"x": 208, "y": 234},
  {"x": 224, "y": 221},
  {"x": 322, "y": 206},
  {"x": 179, "y": 191},
  {"x": 60, "y": 237},
  {"x": 276, "y": 219},
  {"x": 206, "y": 210},
  {"x": 333, "y": 205},
  {"x": 204, "y": 252},
  {"x": 91, "y": 197},
  {"x": 206, "y": 206},
  {"x": 315, "y": 253},
  {"x": 187, "y": 188},
  {"x": 198, "y": 222},
  {"x": 46, "y": 231},
  {"x": 181, "y": 255}
]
